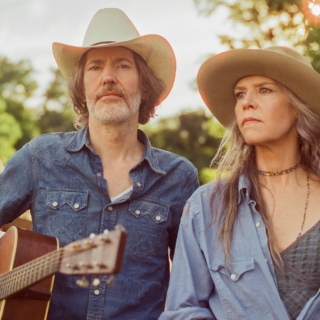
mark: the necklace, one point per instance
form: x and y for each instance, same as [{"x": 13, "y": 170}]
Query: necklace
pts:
[
  {"x": 278, "y": 173},
  {"x": 306, "y": 206}
]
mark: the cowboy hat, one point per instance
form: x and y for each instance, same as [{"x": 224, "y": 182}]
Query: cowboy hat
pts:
[
  {"x": 218, "y": 76},
  {"x": 111, "y": 27}
]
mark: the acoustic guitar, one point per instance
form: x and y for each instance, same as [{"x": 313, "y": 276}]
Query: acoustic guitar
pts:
[{"x": 29, "y": 260}]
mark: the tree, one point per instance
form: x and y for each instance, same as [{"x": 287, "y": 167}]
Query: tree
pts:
[
  {"x": 56, "y": 114},
  {"x": 17, "y": 123},
  {"x": 272, "y": 22},
  {"x": 193, "y": 135}
]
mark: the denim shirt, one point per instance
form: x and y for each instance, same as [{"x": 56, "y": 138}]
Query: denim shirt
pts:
[
  {"x": 202, "y": 287},
  {"x": 54, "y": 172}
]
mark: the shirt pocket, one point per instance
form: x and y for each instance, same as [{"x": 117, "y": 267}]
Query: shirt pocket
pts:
[
  {"x": 76, "y": 200},
  {"x": 146, "y": 226},
  {"x": 239, "y": 286},
  {"x": 66, "y": 214}
]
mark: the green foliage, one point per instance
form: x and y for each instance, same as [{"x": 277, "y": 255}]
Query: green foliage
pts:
[
  {"x": 56, "y": 114},
  {"x": 10, "y": 133},
  {"x": 271, "y": 22},
  {"x": 192, "y": 135},
  {"x": 17, "y": 124}
]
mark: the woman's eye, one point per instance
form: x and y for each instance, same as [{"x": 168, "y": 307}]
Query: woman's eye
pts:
[
  {"x": 239, "y": 95},
  {"x": 95, "y": 68},
  {"x": 265, "y": 90}
]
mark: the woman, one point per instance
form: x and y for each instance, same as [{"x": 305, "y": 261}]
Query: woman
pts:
[{"x": 249, "y": 244}]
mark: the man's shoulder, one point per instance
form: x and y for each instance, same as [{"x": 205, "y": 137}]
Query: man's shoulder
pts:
[
  {"x": 171, "y": 162},
  {"x": 54, "y": 138},
  {"x": 51, "y": 146}
]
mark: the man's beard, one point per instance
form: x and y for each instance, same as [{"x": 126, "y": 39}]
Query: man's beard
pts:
[{"x": 114, "y": 111}]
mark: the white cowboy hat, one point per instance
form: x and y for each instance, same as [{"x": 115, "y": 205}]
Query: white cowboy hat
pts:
[
  {"x": 218, "y": 76},
  {"x": 110, "y": 28}
]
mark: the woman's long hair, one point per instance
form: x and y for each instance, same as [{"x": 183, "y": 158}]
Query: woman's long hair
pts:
[{"x": 240, "y": 158}]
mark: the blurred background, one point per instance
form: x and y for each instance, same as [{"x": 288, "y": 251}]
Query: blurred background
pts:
[{"x": 33, "y": 94}]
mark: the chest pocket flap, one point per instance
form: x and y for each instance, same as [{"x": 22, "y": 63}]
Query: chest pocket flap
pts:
[
  {"x": 75, "y": 199},
  {"x": 157, "y": 211},
  {"x": 236, "y": 268}
]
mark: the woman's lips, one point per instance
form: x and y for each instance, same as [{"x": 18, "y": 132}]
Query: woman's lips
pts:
[{"x": 249, "y": 120}]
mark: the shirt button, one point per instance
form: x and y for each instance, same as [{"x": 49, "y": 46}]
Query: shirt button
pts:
[
  {"x": 54, "y": 203},
  {"x": 266, "y": 260},
  {"x": 110, "y": 208},
  {"x": 233, "y": 276},
  {"x": 99, "y": 174},
  {"x": 139, "y": 184},
  {"x": 96, "y": 292},
  {"x": 76, "y": 205},
  {"x": 137, "y": 211},
  {"x": 158, "y": 218},
  {"x": 258, "y": 224}
]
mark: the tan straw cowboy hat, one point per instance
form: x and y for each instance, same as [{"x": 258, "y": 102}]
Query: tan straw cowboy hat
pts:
[
  {"x": 218, "y": 76},
  {"x": 110, "y": 28}
]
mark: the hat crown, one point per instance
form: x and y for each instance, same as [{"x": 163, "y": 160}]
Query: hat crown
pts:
[
  {"x": 290, "y": 53},
  {"x": 109, "y": 25}
]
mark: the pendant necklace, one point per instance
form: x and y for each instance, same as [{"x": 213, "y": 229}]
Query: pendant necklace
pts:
[{"x": 281, "y": 172}]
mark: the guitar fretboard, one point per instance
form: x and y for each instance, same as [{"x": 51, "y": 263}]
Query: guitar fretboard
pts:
[{"x": 29, "y": 273}]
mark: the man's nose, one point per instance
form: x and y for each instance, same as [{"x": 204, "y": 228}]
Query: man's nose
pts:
[{"x": 108, "y": 76}]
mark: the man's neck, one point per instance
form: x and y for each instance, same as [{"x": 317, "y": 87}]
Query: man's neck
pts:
[{"x": 115, "y": 143}]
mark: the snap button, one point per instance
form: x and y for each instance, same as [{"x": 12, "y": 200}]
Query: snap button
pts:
[
  {"x": 139, "y": 184},
  {"x": 54, "y": 203},
  {"x": 233, "y": 276},
  {"x": 158, "y": 218},
  {"x": 110, "y": 208},
  {"x": 96, "y": 292},
  {"x": 137, "y": 211},
  {"x": 76, "y": 205},
  {"x": 96, "y": 282},
  {"x": 99, "y": 174},
  {"x": 258, "y": 224}
]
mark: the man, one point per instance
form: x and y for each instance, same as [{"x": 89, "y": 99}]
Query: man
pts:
[{"x": 107, "y": 173}]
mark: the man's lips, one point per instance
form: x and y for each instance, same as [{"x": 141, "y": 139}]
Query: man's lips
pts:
[
  {"x": 111, "y": 95},
  {"x": 250, "y": 120}
]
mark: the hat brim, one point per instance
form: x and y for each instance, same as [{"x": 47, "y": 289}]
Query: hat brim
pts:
[
  {"x": 154, "y": 49},
  {"x": 218, "y": 76}
]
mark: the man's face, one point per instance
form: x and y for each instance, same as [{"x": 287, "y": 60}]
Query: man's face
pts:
[{"x": 111, "y": 84}]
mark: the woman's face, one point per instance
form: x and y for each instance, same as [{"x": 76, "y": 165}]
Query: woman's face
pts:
[{"x": 263, "y": 111}]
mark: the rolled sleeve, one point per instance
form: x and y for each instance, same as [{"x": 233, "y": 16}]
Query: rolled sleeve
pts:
[{"x": 190, "y": 283}]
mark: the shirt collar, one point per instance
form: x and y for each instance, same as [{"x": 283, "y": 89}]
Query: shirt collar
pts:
[
  {"x": 81, "y": 138},
  {"x": 149, "y": 154},
  {"x": 78, "y": 141},
  {"x": 244, "y": 183}
]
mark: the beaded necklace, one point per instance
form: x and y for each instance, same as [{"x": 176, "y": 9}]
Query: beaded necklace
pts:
[{"x": 278, "y": 173}]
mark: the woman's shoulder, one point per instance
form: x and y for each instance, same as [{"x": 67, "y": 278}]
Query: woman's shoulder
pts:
[{"x": 207, "y": 190}]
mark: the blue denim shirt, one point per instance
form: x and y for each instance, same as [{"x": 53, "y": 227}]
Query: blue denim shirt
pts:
[
  {"x": 55, "y": 171},
  {"x": 201, "y": 286}
]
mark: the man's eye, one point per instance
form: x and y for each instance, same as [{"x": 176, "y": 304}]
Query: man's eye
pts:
[
  {"x": 94, "y": 68},
  {"x": 123, "y": 66}
]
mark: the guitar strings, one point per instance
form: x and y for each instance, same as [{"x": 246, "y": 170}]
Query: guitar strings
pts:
[{"x": 11, "y": 281}]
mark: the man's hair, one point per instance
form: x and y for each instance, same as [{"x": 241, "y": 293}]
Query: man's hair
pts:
[{"x": 151, "y": 87}]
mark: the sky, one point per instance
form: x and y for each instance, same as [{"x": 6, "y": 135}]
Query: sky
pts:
[{"x": 29, "y": 27}]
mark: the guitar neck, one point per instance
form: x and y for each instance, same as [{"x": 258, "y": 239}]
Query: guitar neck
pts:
[{"x": 29, "y": 273}]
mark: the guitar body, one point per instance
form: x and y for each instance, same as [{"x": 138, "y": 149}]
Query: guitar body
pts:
[{"x": 18, "y": 247}]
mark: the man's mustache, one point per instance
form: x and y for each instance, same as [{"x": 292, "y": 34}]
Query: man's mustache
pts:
[{"x": 110, "y": 89}]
